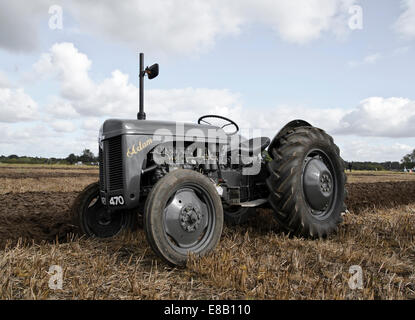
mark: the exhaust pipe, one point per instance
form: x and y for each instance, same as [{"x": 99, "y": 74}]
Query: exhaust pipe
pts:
[{"x": 141, "y": 115}]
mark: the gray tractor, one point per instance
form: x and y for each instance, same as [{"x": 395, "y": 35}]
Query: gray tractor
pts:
[{"x": 187, "y": 179}]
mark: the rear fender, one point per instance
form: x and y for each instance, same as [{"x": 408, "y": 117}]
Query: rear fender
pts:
[{"x": 289, "y": 126}]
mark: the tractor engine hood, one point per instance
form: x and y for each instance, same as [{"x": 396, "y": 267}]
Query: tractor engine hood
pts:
[{"x": 168, "y": 129}]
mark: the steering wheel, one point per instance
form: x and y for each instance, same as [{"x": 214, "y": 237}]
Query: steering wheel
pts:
[{"x": 229, "y": 122}]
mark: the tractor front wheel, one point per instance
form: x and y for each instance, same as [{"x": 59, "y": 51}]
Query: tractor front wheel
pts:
[
  {"x": 91, "y": 216},
  {"x": 183, "y": 214}
]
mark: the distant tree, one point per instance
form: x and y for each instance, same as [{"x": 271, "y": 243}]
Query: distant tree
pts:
[
  {"x": 72, "y": 158},
  {"x": 87, "y": 156},
  {"x": 409, "y": 160}
]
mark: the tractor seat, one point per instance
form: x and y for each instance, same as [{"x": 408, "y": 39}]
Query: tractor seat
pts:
[{"x": 253, "y": 146}]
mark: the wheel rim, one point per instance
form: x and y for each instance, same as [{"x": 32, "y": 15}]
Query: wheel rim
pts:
[
  {"x": 319, "y": 183},
  {"x": 188, "y": 219},
  {"x": 99, "y": 222}
]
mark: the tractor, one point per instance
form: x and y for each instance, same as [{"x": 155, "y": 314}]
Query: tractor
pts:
[{"x": 188, "y": 179}]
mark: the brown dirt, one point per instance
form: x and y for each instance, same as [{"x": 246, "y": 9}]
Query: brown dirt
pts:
[
  {"x": 379, "y": 194},
  {"x": 39, "y": 175},
  {"x": 21, "y": 172},
  {"x": 57, "y": 184},
  {"x": 72, "y": 168},
  {"x": 35, "y": 216},
  {"x": 378, "y": 176}
]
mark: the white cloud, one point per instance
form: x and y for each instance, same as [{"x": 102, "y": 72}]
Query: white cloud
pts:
[
  {"x": 19, "y": 21},
  {"x": 70, "y": 66},
  {"x": 373, "y": 58},
  {"x": 380, "y": 117},
  {"x": 92, "y": 125},
  {"x": 4, "y": 82},
  {"x": 39, "y": 139},
  {"x": 16, "y": 105},
  {"x": 189, "y": 104},
  {"x": 369, "y": 59},
  {"x": 178, "y": 26},
  {"x": 372, "y": 149},
  {"x": 187, "y": 26},
  {"x": 60, "y": 108},
  {"x": 301, "y": 21},
  {"x": 79, "y": 93},
  {"x": 405, "y": 24},
  {"x": 271, "y": 120},
  {"x": 116, "y": 96},
  {"x": 401, "y": 50},
  {"x": 63, "y": 126}
]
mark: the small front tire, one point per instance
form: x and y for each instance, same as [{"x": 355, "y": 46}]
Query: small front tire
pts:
[
  {"x": 183, "y": 214},
  {"x": 90, "y": 216}
]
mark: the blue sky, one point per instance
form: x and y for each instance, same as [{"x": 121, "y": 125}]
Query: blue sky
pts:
[{"x": 261, "y": 63}]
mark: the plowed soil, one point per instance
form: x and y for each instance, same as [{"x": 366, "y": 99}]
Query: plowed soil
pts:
[
  {"x": 379, "y": 194},
  {"x": 35, "y": 215},
  {"x": 38, "y": 175}
]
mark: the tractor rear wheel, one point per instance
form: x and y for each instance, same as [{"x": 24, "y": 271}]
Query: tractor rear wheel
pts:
[
  {"x": 91, "y": 217},
  {"x": 183, "y": 214},
  {"x": 307, "y": 182}
]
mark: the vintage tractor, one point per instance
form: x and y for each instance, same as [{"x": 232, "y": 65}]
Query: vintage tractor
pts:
[{"x": 186, "y": 179}]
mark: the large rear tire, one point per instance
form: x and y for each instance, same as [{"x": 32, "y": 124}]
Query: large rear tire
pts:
[
  {"x": 183, "y": 214},
  {"x": 307, "y": 182},
  {"x": 89, "y": 215}
]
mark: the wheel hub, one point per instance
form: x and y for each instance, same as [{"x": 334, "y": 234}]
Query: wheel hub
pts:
[
  {"x": 190, "y": 218},
  {"x": 104, "y": 217},
  {"x": 317, "y": 184},
  {"x": 326, "y": 183},
  {"x": 100, "y": 222},
  {"x": 185, "y": 218}
]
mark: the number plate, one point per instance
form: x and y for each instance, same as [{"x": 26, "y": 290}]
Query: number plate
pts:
[{"x": 116, "y": 201}]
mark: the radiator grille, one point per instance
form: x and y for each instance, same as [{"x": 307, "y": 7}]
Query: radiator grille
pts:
[
  {"x": 101, "y": 169},
  {"x": 115, "y": 168}
]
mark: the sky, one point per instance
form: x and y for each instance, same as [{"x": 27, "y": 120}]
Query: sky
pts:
[{"x": 346, "y": 66}]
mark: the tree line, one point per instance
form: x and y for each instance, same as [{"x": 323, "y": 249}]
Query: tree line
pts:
[
  {"x": 86, "y": 157},
  {"x": 407, "y": 162},
  {"x": 373, "y": 166}
]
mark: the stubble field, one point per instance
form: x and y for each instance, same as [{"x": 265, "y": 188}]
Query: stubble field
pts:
[{"x": 252, "y": 261}]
